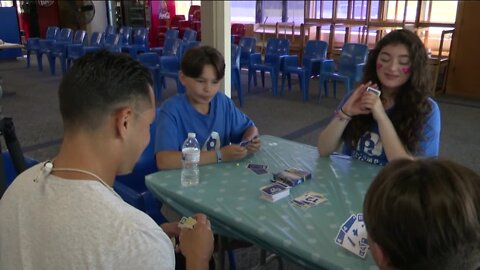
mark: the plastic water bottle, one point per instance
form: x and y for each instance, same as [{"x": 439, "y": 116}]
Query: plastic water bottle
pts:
[{"x": 190, "y": 158}]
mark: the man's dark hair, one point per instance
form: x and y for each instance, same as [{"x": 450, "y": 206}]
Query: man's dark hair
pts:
[
  {"x": 196, "y": 58},
  {"x": 425, "y": 214},
  {"x": 99, "y": 83}
]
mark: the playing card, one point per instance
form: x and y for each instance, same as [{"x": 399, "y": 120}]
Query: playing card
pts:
[
  {"x": 375, "y": 91},
  {"x": 244, "y": 143},
  {"x": 309, "y": 199},
  {"x": 258, "y": 168},
  {"x": 187, "y": 222},
  {"x": 353, "y": 235}
]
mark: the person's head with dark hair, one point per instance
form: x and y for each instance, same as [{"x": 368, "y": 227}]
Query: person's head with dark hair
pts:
[
  {"x": 108, "y": 96},
  {"x": 202, "y": 69},
  {"x": 409, "y": 87},
  {"x": 100, "y": 83},
  {"x": 424, "y": 214}
]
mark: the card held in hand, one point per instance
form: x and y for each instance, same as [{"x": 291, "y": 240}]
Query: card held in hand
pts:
[
  {"x": 187, "y": 223},
  {"x": 353, "y": 235}
]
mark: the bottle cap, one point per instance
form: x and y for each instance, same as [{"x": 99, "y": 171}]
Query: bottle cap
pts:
[
  {"x": 215, "y": 135},
  {"x": 192, "y": 135}
]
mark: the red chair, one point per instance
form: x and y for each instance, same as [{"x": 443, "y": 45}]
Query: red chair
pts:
[
  {"x": 164, "y": 24},
  {"x": 238, "y": 31},
  {"x": 176, "y": 20},
  {"x": 194, "y": 13},
  {"x": 183, "y": 25}
]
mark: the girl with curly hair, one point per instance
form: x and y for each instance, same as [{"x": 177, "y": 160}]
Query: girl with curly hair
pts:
[{"x": 401, "y": 122}]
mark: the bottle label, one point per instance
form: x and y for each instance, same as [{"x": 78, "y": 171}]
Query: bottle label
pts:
[{"x": 191, "y": 155}]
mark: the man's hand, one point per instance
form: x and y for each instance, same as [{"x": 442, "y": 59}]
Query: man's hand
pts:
[{"x": 197, "y": 244}]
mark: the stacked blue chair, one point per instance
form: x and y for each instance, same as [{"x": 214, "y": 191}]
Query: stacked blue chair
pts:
[
  {"x": 33, "y": 44},
  {"x": 189, "y": 45},
  {"x": 132, "y": 187},
  {"x": 110, "y": 29},
  {"x": 170, "y": 63},
  {"x": 189, "y": 35},
  {"x": 75, "y": 51},
  {"x": 152, "y": 61},
  {"x": 125, "y": 33},
  {"x": 139, "y": 44},
  {"x": 277, "y": 49},
  {"x": 46, "y": 46},
  {"x": 60, "y": 50},
  {"x": 236, "y": 82},
  {"x": 171, "y": 35},
  {"x": 314, "y": 55},
  {"x": 247, "y": 46},
  {"x": 350, "y": 68},
  {"x": 110, "y": 43}
]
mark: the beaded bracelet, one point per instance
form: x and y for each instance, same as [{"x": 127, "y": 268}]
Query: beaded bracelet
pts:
[{"x": 348, "y": 115}]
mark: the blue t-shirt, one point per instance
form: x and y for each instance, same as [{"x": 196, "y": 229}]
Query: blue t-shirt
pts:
[
  {"x": 178, "y": 117},
  {"x": 370, "y": 148}
]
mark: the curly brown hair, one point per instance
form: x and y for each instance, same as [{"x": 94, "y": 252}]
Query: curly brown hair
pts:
[{"x": 411, "y": 102}]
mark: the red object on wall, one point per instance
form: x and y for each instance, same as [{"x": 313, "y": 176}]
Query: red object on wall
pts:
[
  {"x": 155, "y": 6},
  {"x": 47, "y": 16}
]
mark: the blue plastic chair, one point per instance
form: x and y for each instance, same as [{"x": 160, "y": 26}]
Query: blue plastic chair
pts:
[
  {"x": 170, "y": 64},
  {"x": 110, "y": 43},
  {"x": 236, "y": 82},
  {"x": 152, "y": 61},
  {"x": 125, "y": 33},
  {"x": 110, "y": 29},
  {"x": 247, "y": 46},
  {"x": 277, "y": 49},
  {"x": 60, "y": 50},
  {"x": 75, "y": 51},
  {"x": 350, "y": 68},
  {"x": 189, "y": 35},
  {"x": 131, "y": 187},
  {"x": 139, "y": 44},
  {"x": 46, "y": 46},
  {"x": 314, "y": 55},
  {"x": 170, "y": 36},
  {"x": 33, "y": 43},
  {"x": 10, "y": 172}
]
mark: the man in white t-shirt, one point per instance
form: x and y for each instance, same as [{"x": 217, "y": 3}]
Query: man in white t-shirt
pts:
[{"x": 64, "y": 214}]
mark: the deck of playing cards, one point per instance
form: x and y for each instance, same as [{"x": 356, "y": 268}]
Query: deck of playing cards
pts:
[
  {"x": 292, "y": 176},
  {"x": 353, "y": 235},
  {"x": 187, "y": 223},
  {"x": 274, "y": 192},
  {"x": 309, "y": 199}
]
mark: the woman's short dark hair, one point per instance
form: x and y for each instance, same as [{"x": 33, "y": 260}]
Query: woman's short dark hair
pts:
[
  {"x": 425, "y": 214},
  {"x": 100, "y": 82},
  {"x": 195, "y": 59}
]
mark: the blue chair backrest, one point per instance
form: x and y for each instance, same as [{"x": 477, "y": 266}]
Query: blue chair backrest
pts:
[
  {"x": 79, "y": 37},
  {"x": 149, "y": 59},
  {"x": 112, "y": 42},
  {"x": 247, "y": 46},
  {"x": 315, "y": 49},
  {"x": 171, "y": 33},
  {"x": 65, "y": 35},
  {"x": 189, "y": 45},
  {"x": 275, "y": 48},
  {"x": 96, "y": 39},
  {"x": 172, "y": 46},
  {"x": 125, "y": 33},
  {"x": 140, "y": 36},
  {"x": 189, "y": 35},
  {"x": 52, "y": 32},
  {"x": 10, "y": 172},
  {"x": 352, "y": 55},
  {"x": 110, "y": 29}
]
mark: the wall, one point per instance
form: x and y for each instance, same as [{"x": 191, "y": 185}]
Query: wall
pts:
[
  {"x": 47, "y": 16},
  {"x": 99, "y": 22}
]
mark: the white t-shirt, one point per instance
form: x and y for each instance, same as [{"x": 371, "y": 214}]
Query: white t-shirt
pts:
[{"x": 55, "y": 223}]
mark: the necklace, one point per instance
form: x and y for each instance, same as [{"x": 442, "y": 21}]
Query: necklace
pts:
[{"x": 87, "y": 173}]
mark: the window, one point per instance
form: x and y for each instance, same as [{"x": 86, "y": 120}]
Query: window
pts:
[
  {"x": 272, "y": 11},
  {"x": 243, "y": 11},
  {"x": 182, "y": 7},
  {"x": 295, "y": 11}
]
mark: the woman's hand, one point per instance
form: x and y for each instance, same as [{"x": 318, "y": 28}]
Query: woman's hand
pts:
[{"x": 355, "y": 105}]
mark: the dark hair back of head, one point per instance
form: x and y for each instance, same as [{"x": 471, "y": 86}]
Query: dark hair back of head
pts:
[
  {"x": 425, "y": 213},
  {"x": 195, "y": 59},
  {"x": 97, "y": 84}
]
